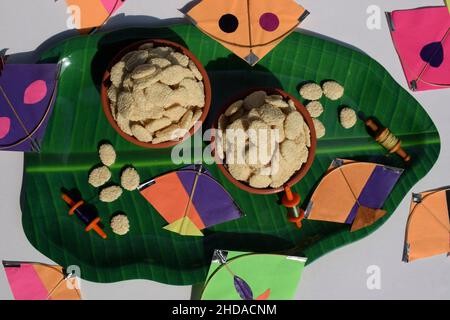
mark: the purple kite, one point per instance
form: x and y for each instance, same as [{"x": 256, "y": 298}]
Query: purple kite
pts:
[
  {"x": 201, "y": 202},
  {"x": 27, "y": 96}
]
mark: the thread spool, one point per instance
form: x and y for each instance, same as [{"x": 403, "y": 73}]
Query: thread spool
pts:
[
  {"x": 88, "y": 218},
  {"x": 387, "y": 140},
  {"x": 291, "y": 200}
]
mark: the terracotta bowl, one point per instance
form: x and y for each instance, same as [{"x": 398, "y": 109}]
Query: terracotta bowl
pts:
[
  {"x": 299, "y": 174},
  {"x": 106, "y": 82}
]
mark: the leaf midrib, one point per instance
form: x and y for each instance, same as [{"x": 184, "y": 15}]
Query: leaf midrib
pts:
[{"x": 326, "y": 146}]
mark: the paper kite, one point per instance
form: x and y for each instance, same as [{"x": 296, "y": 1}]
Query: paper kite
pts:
[
  {"x": 89, "y": 15},
  {"x": 190, "y": 200},
  {"x": 428, "y": 226},
  {"x": 250, "y": 29},
  {"x": 353, "y": 193},
  {"x": 252, "y": 276},
  {"x": 27, "y": 95},
  {"x": 422, "y": 40},
  {"x": 38, "y": 281}
]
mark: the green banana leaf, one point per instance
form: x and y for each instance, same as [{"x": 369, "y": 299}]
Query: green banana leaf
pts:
[{"x": 78, "y": 125}]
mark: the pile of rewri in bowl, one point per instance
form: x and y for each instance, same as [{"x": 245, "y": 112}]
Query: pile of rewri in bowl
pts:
[
  {"x": 263, "y": 140},
  {"x": 156, "y": 93}
]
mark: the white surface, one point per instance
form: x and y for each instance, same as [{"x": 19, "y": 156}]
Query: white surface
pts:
[{"x": 25, "y": 24}]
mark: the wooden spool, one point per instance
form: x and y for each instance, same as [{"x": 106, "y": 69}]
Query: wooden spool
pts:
[{"x": 387, "y": 140}]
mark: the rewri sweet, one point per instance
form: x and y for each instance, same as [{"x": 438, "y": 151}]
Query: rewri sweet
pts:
[
  {"x": 155, "y": 88},
  {"x": 263, "y": 140}
]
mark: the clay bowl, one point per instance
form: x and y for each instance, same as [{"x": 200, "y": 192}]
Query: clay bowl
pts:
[
  {"x": 299, "y": 174},
  {"x": 106, "y": 82}
]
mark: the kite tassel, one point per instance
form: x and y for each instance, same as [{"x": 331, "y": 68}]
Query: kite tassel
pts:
[
  {"x": 291, "y": 201},
  {"x": 366, "y": 217},
  {"x": 185, "y": 227}
]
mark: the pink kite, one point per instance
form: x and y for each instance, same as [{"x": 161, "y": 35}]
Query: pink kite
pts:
[
  {"x": 38, "y": 281},
  {"x": 421, "y": 37}
]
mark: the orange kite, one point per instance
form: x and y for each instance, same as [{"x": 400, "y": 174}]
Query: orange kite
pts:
[
  {"x": 352, "y": 192},
  {"x": 428, "y": 226},
  {"x": 249, "y": 28}
]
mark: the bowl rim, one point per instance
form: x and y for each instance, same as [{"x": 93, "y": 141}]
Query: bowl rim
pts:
[
  {"x": 157, "y": 43},
  {"x": 299, "y": 173}
]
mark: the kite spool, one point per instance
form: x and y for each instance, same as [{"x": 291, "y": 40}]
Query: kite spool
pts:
[
  {"x": 387, "y": 139},
  {"x": 89, "y": 219},
  {"x": 291, "y": 200}
]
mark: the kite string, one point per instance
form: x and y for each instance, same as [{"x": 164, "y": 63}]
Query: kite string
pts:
[
  {"x": 94, "y": 29},
  {"x": 33, "y": 143},
  {"x": 59, "y": 283},
  {"x": 436, "y": 218},
  {"x": 349, "y": 187},
  {"x": 427, "y": 65},
  {"x": 227, "y": 267},
  {"x": 191, "y": 196},
  {"x": 14, "y": 110},
  {"x": 54, "y": 288},
  {"x": 249, "y": 27}
]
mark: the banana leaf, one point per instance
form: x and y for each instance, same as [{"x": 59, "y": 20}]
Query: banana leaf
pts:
[{"x": 69, "y": 151}]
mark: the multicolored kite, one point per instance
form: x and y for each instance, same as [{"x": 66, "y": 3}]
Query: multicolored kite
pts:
[
  {"x": 27, "y": 95},
  {"x": 251, "y": 28},
  {"x": 252, "y": 276},
  {"x": 428, "y": 226},
  {"x": 201, "y": 202},
  {"x": 38, "y": 281},
  {"x": 422, "y": 40},
  {"x": 353, "y": 193},
  {"x": 89, "y": 15}
]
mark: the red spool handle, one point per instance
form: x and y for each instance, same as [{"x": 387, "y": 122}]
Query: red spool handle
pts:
[
  {"x": 291, "y": 200},
  {"x": 94, "y": 226},
  {"x": 297, "y": 220},
  {"x": 73, "y": 205}
]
